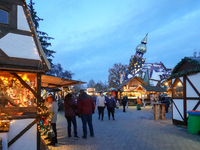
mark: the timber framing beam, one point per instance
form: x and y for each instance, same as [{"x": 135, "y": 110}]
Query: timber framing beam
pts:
[{"x": 24, "y": 83}]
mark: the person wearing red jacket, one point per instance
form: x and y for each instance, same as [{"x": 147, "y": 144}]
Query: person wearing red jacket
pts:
[{"x": 86, "y": 109}]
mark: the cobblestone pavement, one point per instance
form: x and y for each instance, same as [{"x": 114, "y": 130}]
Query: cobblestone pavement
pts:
[{"x": 133, "y": 130}]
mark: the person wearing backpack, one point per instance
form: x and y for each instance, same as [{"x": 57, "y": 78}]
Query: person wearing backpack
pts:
[{"x": 111, "y": 104}]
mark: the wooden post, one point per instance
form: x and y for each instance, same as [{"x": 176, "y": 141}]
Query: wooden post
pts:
[
  {"x": 155, "y": 111},
  {"x": 162, "y": 111},
  {"x": 159, "y": 111},
  {"x": 38, "y": 101}
]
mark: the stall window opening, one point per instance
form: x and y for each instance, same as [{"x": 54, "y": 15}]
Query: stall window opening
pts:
[
  {"x": 178, "y": 89},
  {"x": 3, "y": 16}
]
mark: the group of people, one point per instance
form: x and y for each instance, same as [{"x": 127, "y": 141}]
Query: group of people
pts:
[
  {"x": 84, "y": 107},
  {"x": 103, "y": 102},
  {"x": 125, "y": 103}
]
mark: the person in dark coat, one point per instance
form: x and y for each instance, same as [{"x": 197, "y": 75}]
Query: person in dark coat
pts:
[
  {"x": 124, "y": 102},
  {"x": 111, "y": 104},
  {"x": 86, "y": 109},
  {"x": 167, "y": 103},
  {"x": 70, "y": 114}
]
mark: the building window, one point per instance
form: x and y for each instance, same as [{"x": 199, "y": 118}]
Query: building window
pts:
[
  {"x": 3, "y": 16},
  {"x": 178, "y": 89}
]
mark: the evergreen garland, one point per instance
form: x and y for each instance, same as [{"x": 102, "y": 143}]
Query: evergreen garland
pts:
[
  {"x": 189, "y": 71},
  {"x": 44, "y": 117}
]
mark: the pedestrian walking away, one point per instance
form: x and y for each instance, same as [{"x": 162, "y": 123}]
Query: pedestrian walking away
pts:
[
  {"x": 86, "y": 109},
  {"x": 100, "y": 104},
  {"x": 53, "y": 108},
  {"x": 138, "y": 103},
  {"x": 124, "y": 102},
  {"x": 111, "y": 104},
  {"x": 70, "y": 114}
]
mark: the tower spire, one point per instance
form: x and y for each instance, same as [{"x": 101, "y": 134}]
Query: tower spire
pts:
[
  {"x": 141, "y": 48},
  {"x": 144, "y": 41}
]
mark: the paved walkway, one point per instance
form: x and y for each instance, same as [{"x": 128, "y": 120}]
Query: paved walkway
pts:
[{"x": 133, "y": 130}]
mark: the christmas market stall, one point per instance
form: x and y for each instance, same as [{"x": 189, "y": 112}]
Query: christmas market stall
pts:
[
  {"x": 184, "y": 82},
  {"x": 146, "y": 90},
  {"x": 22, "y": 62},
  {"x": 127, "y": 88},
  {"x": 58, "y": 87},
  {"x": 57, "y": 84}
]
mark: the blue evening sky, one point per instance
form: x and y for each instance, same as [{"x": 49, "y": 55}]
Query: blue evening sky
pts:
[{"x": 92, "y": 35}]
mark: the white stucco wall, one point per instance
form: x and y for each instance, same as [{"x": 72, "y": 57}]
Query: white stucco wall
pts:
[
  {"x": 22, "y": 23},
  {"x": 153, "y": 83},
  {"x": 191, "y": 104},
  {"x": 181, "y": 78},
  {"x": 195, "y": 79},
  {"x": 190, "y": 92},
  {"x": 4, "y": 138},
  {"x": 155, "y": 75},
  {"x": 28, "y": 141},
  {"x": 179, "y": 104},
  {"x": 20, "y": 46}
]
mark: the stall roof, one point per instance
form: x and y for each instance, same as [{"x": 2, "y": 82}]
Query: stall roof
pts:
[
  {"x": 53, "y": 82},
  {"x": 149, "y": 88},
  {"x": 126, "y": 81},
  {"x": 188, "y": 65}
]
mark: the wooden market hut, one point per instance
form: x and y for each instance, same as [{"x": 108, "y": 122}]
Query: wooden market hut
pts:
[
  {"x": 22, "y": 62},
  {"x": 54, "y": 83},
  {"x": 184, "y": 82},
  {"x": 147, "y": 89},
  {"x": 127, "y": 87}
]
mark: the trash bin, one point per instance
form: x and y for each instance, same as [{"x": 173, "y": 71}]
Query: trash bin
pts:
[{"x": 193, "y": 122}]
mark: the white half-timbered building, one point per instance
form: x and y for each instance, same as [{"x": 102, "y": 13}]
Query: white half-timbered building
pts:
[
  {"x": 21, "y": 55},
  {"x": 185, "y": 85}
]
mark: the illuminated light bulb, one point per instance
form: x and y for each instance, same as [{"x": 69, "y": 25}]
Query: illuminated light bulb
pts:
[
  {"x": 179, "y": 83},
  {"x": 166, "y": 83}
]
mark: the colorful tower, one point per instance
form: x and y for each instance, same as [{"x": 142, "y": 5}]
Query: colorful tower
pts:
[{"x": 136, "y": 61}]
